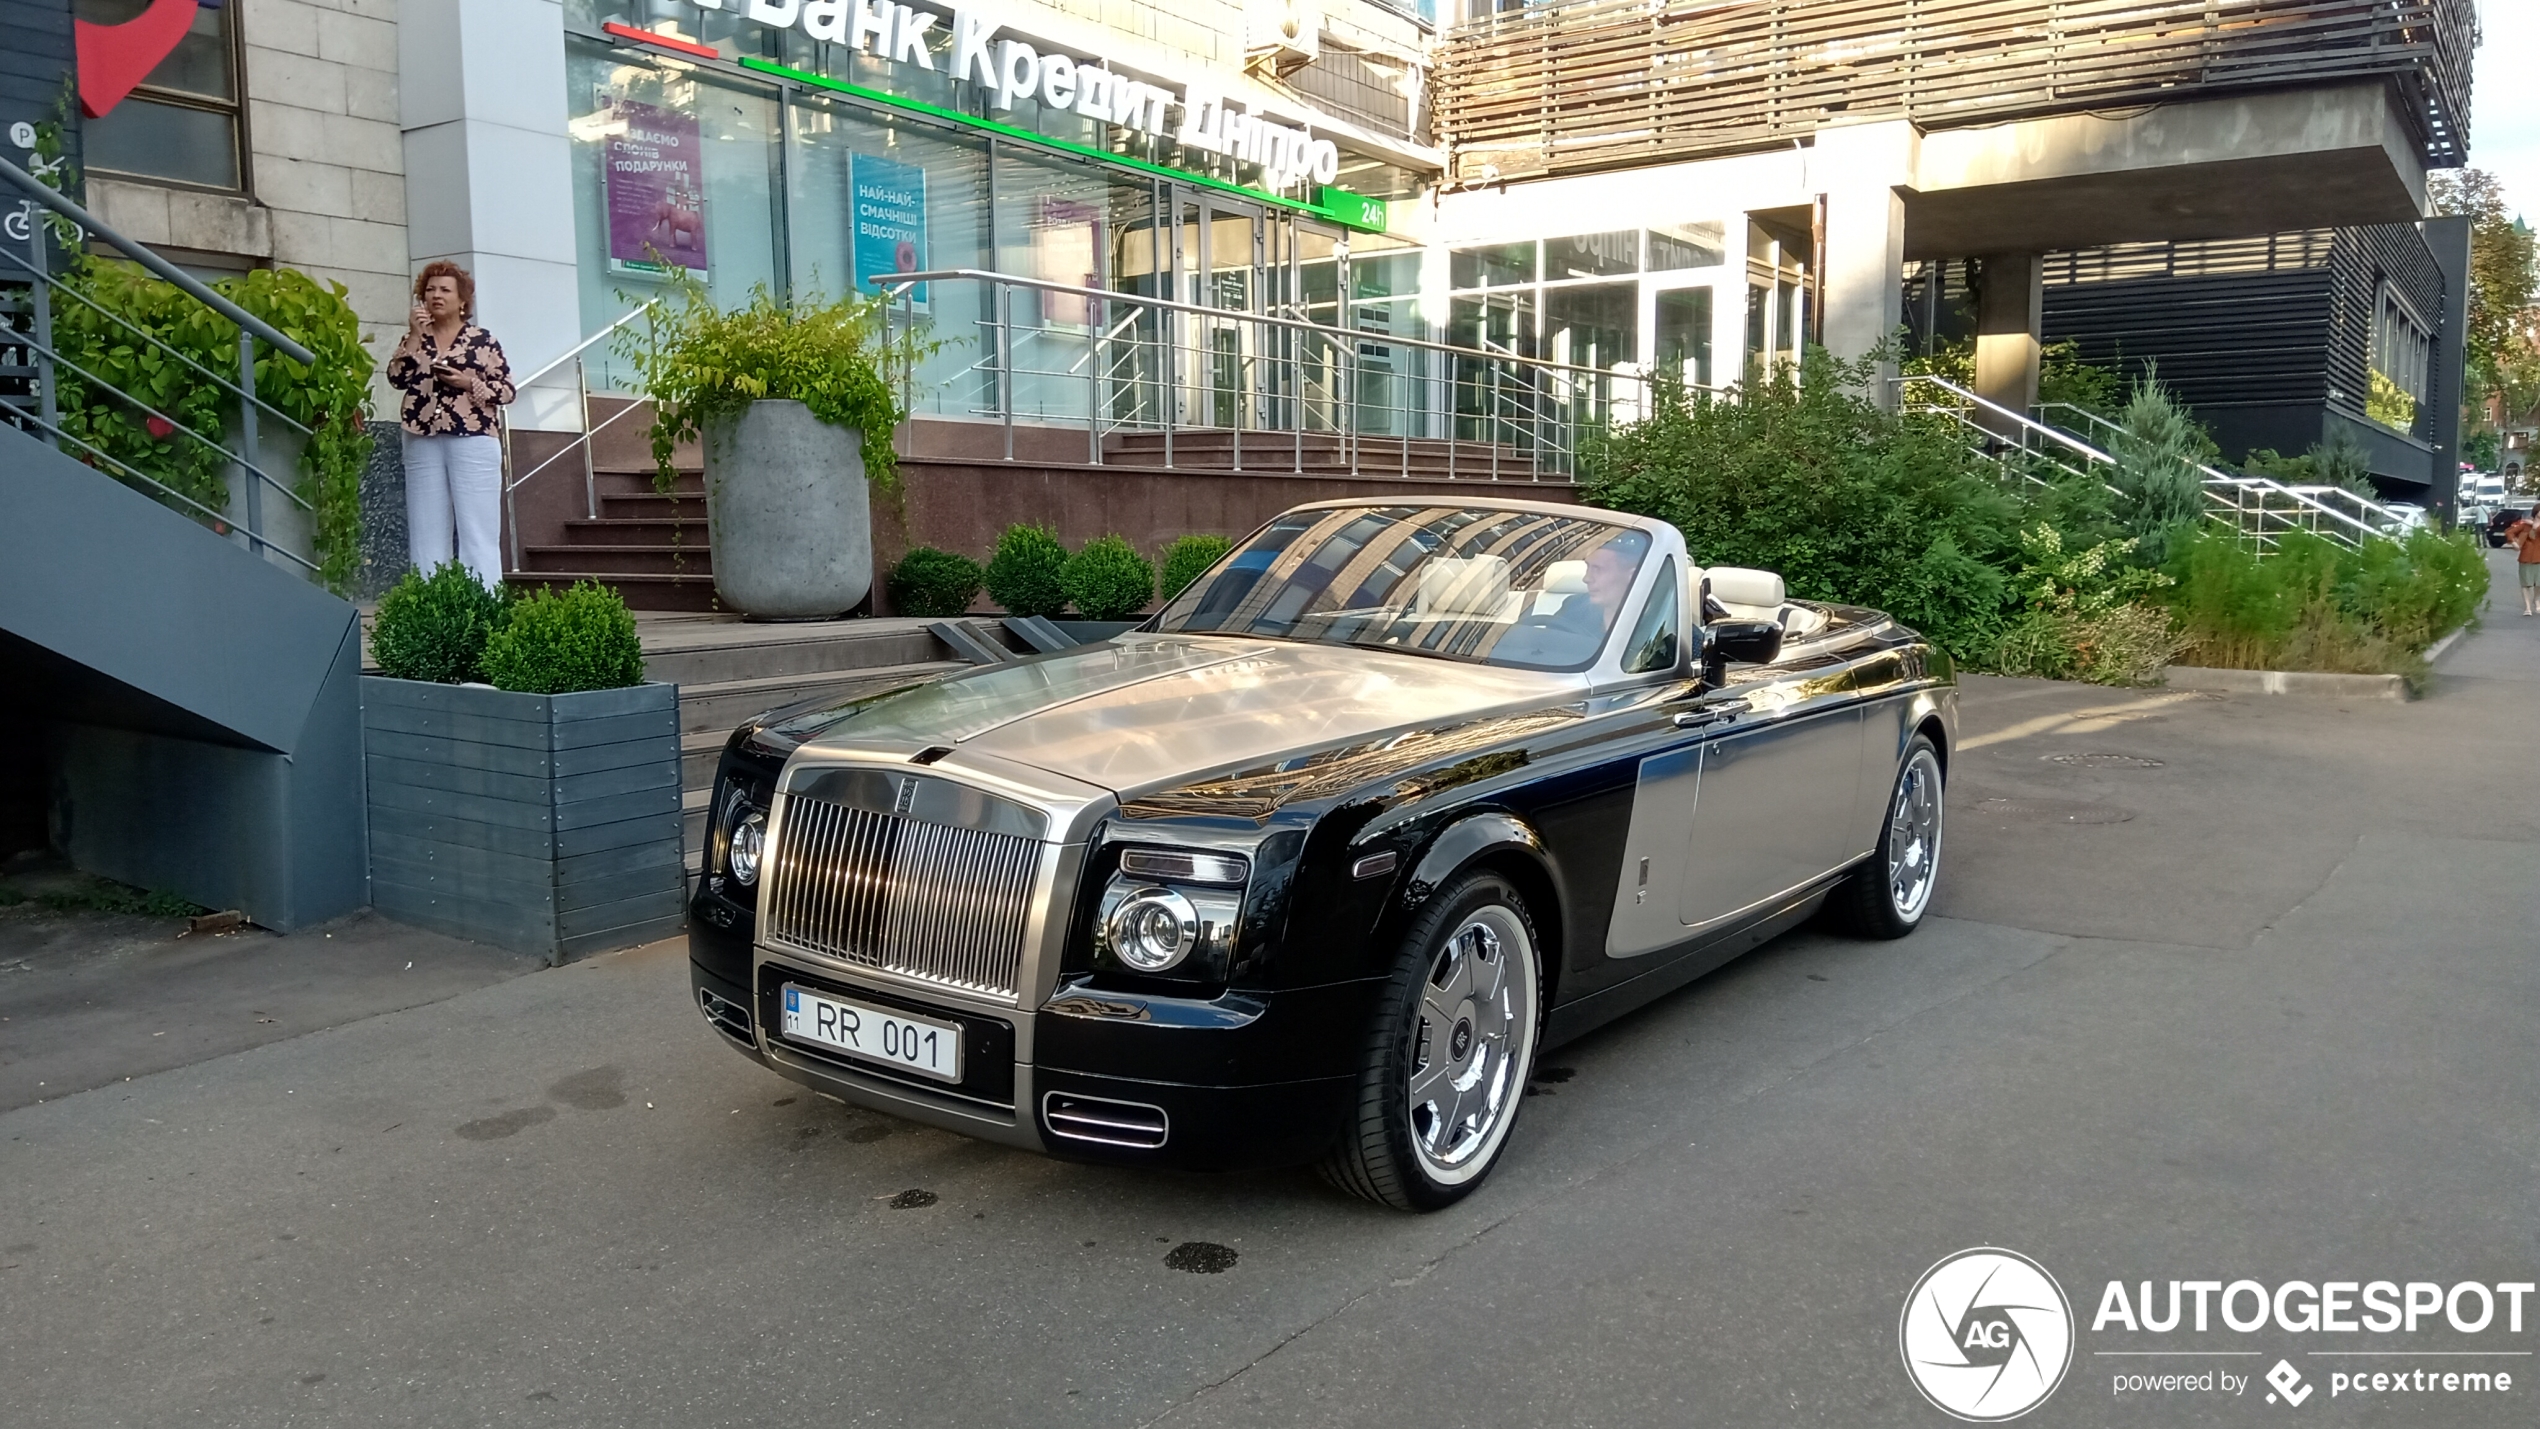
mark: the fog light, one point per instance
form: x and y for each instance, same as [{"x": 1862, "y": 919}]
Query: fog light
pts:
[
  {"x": 1153, "y": 929},
  {"x": 749, "y": 840}
]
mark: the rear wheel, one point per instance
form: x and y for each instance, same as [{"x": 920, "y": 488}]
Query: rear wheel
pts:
[
  {"x": 1887, "y": 896},
  {"x": 1446, "y": 1061}
]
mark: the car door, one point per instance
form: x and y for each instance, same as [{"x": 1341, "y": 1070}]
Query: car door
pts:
[{"x": 1775, "y": 803}]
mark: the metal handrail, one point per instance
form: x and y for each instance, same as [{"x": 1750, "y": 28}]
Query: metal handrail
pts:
[
  {"x": 2220, "y": 488},
  {"x": 251, "y": 329},
  {"x": 2213, "y": 475},
  {"x": 901, "y": 281},
  {"x": 1291, "y": 378},
  {"x": 192, "y": 286},
  {"x": 579, "y": 348},
  {"x": 172, "y": 350}
]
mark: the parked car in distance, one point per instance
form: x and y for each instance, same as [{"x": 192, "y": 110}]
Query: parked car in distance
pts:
[
  {"x": 1312, "y": 866},
  {"x": 2408, "y": 516},
  {"x": 2502, "y": 520}
]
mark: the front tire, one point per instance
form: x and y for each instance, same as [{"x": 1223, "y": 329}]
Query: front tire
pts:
[
  {"x": 1446, "y": 1061},
  {"x": 1887, "y": 896}
]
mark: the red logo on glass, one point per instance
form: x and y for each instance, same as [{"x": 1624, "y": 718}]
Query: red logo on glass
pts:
[{"x": 114, "y": 58}]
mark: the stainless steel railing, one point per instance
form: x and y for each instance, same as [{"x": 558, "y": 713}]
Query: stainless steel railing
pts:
[
  {"x": 585, "y": 428},
  {"x": 2258, "y": 508},
  {"x": 43, "y": 414},
  {"x": 1271, "y": 391}
]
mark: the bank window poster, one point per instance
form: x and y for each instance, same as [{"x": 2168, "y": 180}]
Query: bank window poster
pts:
[
  {"x": 1068, "y": 247},
  {"x": 653, "y": 164},
  {"x": 889, "y": 200}
]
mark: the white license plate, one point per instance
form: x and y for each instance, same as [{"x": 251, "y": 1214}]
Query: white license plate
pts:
[{"x": 928, "y": 1048}]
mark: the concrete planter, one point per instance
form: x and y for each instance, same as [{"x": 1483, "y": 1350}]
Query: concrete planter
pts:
[
  {"x": 547, "y": 824},
  {"x": 787, "y": 502}
]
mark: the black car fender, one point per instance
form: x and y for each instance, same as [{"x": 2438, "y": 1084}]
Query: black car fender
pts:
[{"x": 1503, "y": 840}]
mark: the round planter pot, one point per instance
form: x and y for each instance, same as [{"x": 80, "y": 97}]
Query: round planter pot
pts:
[{"x": 789, "y": 512}]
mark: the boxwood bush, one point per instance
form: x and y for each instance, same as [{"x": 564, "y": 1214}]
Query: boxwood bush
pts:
[
  {"x": 435, "y": 627},
  {"x": 558, "y": 643},
  {"x": 1189, "y": 558},
  {"x": 929, "y": 582},
  {"x": 1023, "y": 575},
  {"x": 1108, "y": 580}
]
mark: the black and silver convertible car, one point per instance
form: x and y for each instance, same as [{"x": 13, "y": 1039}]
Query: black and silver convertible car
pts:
[{"x": 1313, "y": 865}]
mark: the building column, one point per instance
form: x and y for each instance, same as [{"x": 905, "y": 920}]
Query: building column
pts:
[
  {"x": 1861, "y": 170},
  {"x": 2009, "y": 342},
  {"x": 2447, "y": 238},
  {"x": 489, "y": 175}
]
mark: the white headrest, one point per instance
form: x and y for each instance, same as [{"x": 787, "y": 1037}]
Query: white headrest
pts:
[
  {"x": 1739, "y": 586},
  {"x": 1561, "y": 580},
  {"x": 1468, "y": 585}
]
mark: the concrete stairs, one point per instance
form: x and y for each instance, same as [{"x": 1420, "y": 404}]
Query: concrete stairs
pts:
[{"x": 729, "y": 670}]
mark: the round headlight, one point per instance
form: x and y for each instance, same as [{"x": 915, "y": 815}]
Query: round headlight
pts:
[
  {"x": 749, "y": 841},
  {"x": 1153, "y": 929}
]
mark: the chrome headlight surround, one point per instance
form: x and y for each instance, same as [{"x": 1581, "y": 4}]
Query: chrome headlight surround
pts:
[
  {"x": 737, "y": 843},
  {"x": 1171, "y": 913}
]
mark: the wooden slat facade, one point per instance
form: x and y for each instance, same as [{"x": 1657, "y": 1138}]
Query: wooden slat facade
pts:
[{"x": 1553, "y": 89}]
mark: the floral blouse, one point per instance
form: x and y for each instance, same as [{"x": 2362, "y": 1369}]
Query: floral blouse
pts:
[{"x": 469, "y": 409}]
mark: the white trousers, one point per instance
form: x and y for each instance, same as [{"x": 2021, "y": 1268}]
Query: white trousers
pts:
[{"x": 454, "y": 504}]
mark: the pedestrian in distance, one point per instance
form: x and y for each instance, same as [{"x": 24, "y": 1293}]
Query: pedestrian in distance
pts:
[
  {"x": 456, "y": 383},
  {"x": 2524, "y": 537}
]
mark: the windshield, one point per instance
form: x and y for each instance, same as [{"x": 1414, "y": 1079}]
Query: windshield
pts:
[{"x": 1516, "y": 588}]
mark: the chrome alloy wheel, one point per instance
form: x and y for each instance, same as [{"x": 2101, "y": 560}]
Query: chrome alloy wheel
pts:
[
  {"x": 1471, "y": 1044},
  {"x": 1913, "y": 836}
]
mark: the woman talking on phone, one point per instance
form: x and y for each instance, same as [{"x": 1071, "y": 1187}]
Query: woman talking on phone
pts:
[{"x": 455, "y": 383}]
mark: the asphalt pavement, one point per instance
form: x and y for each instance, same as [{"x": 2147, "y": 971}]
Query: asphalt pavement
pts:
[{"x": 2218, "y": 989}]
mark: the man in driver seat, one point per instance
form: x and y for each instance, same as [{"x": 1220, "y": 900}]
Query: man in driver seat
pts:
[{"x": 1566, "y": 620}]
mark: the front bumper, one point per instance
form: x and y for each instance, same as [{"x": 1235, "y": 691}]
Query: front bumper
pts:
[{"x": 1231, "y": 1083}]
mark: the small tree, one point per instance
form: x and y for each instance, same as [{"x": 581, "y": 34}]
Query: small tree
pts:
[
  {"x": 929, "y": 582},
  {"x": 1108, "y": 580},
  {"x": 1189, "y": 558},
  {"x": 434, "y": 627},
  {"x": 2159, "y": 449}
]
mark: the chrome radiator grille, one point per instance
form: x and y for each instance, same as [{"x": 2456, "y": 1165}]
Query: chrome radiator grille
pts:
[{"x": 926, "y": 901}]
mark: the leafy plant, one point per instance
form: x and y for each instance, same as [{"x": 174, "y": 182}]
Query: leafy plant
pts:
[
  {"x": 1023, "y": 575},
  {"x": 2064, "y": 376},
  {"x": 1189, "y": 558},
  {"x": 702, "y": 365},
  {"x": 929, "y": 582},
  {"x": 332, "y": 398},
  {"x": 2388, "y": 403},
  {"x": 435, "y": 627},
  {"x": 1803, "y": 474},
  {"x": 1108, "y": 580},
  {"x": 557, "y": 643},
  {"x": 2086, "y": 617},
  {"x": 2311, "y": 604}
]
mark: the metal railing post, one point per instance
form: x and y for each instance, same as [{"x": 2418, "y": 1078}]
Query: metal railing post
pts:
[
  {"x": 1005, "y": 363},
  {"x": 1093, "y": 389},
  {"x": 247, "y": 439},
  {"x": 590, "y": 472},
  {"x": 47, "y": 402}
]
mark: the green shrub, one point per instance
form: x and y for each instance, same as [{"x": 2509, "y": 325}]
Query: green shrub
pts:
[
  {"x": 1108, "y": 580},
  {"x": 929, "y": 582},
  {"x": 1189, "y": 558},
  {"x": 2311, "y": 604},
  {"x": 435, "y": 627},
  {"x": 2086, "y": 616},
  {"x": 1847, "y": 501},
  {"x": 331, "y": 399},
  {"x": 2160, "y": 451},
  {"x": 557, "y": 643},
  {"x": 1023, "y": 575}
]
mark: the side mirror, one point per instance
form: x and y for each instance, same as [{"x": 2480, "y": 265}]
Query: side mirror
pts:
[{"x": 1745, "y": 642}]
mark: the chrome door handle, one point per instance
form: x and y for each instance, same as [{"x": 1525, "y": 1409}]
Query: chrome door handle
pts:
[{"x": 1711, "y": 713}]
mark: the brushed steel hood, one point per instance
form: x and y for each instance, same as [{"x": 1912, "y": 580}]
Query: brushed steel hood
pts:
[{"x": 1143, "y": 712}]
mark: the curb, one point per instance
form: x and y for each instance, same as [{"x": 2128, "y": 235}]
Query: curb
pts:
[
  {"x": 2288, "y": 682},
  {"x": 2435, "y": 651}
]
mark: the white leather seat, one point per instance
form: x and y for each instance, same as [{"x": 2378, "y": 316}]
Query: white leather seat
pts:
[
  {"x": 1748, "y": 594},
  {"x": 1561, "y": 580},
  {"x": 1466, "y": 586}
]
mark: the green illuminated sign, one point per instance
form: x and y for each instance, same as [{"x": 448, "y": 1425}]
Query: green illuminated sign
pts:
[{"x": 1334, "y": 205}]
